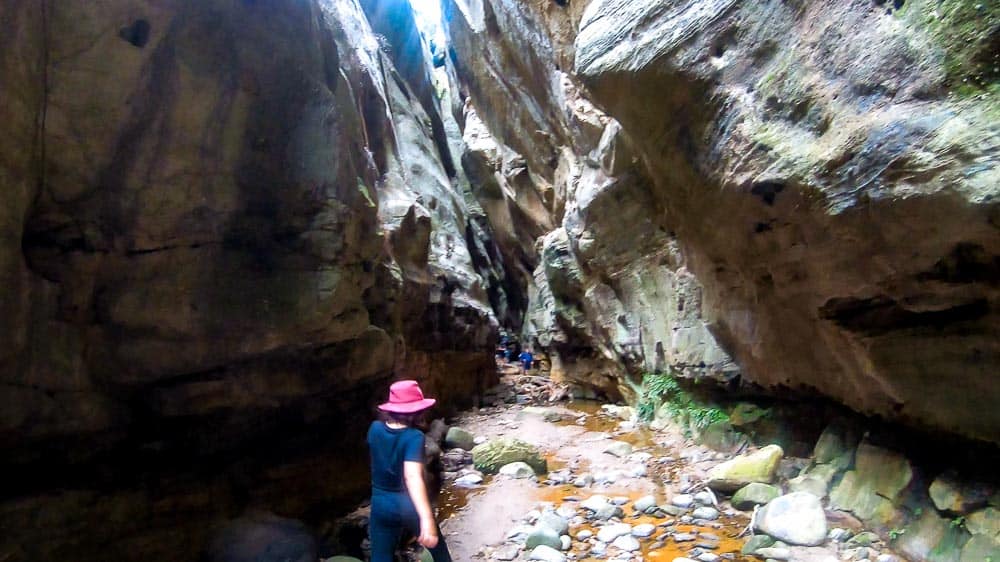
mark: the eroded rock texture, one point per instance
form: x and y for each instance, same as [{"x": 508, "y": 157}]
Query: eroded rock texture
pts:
[
  {"x": 804, "y": 189},
  {"x": 226, "y": 226}
]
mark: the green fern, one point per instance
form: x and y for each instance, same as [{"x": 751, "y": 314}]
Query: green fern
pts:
[{"x": 664, "y": 390}]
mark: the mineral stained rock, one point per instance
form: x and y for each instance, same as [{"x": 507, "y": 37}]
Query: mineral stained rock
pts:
[
  {"x": 802, "y": 194},
  {"x": 225, "y": 228}
]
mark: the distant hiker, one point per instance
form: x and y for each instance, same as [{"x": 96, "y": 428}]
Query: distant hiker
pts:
[
  {"x": 526, "y": 359},
  {"x": 399, "y": 492}
]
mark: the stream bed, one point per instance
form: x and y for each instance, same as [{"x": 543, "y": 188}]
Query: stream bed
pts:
[{"x": 483, "y": 521}]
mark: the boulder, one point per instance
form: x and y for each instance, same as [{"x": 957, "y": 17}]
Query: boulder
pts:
[
  {"x": 839, "y": 535},
  {"x": 644, "y": 503},
  {"x": 864, "y": 538},
  {"x": 868, "y": 491},
  {"x": 774, "y": 553},
  {"x": 608, "y": 511},
  {"x": 470, "y": 480},
  {"x": 735, "y": 473},
  {"x": 554, "y": 521},
  {"x": 546, "y": 554},
  {"x": 815, "y": 480},
  {"x": 984, "y": 522},
  {"x": 795, "y": 518},
  {"x": 627, "y": 543},
  {"x": 454, "y": 460},
  {"x": 547, "y": 414},
  {"x": 542, "y": 535},
  {"x": 980, "y": 548},
  {"x": 520, "y": 533},
  {"x": 705, "y": 513},
  {"x": 643, "y": 530},
  {"x": 612, "y": 531},
  {"x": 458, "y": 438},
  {"x": 517, "y": 470},
  {"x": 705, "y": 497},
  {"x": 755, "y": 543},
  {"x": 619, "y": 449},
  {"x": 836, "y": 445},
  {"x": 490, "y": 456},
  {"x": 595, "y": 502},
  {"x": 932, "y": 537},
  {"x": 672, "y": 510},
  {"x": 752, "y": 494},
  {"x": 952, "y": 494},
  {"x": 682, "y": 500}
]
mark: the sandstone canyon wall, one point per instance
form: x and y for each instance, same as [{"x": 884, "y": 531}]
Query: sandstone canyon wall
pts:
[
  {"x": 802, "y": 194},
  {"x": 226, "y": 226}
]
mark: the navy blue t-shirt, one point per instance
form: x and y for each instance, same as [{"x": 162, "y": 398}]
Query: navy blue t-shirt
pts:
[{"x": 389, "y": 449}]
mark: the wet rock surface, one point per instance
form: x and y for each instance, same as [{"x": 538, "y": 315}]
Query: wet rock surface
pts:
[{"x": 226, "y": 227}]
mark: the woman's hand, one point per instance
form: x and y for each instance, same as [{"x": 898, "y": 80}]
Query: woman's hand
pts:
[
  {"x": 413, "y": 474},
  {"x": 428, "y": 534}
]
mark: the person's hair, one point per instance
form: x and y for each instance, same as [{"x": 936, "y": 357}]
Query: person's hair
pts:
[{"x": 409, "y": 420}]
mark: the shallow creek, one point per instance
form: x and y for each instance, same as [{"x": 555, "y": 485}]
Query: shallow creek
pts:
[{"x": 573, "y": 438}]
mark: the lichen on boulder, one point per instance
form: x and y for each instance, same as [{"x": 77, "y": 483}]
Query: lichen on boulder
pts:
[
  {"x": 735, "y": 473},
  {"x": 755, "y": 493},
  {"x": 489, "y": 457}
]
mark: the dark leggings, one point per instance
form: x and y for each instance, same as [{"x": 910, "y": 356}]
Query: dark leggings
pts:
[{"x": 392, "y": 512}]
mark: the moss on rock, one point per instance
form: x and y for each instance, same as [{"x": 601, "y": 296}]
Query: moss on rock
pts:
[{"x": 490, "y": 456}]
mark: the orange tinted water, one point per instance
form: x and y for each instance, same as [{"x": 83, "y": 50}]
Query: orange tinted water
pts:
[
  {"x": 727, "y": 530},
  {"x": 454, "y": 499},
  {"x": 598, "y": 421}
]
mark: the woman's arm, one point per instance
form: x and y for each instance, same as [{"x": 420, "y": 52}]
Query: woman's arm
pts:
[{"x": 413, "y": 474}]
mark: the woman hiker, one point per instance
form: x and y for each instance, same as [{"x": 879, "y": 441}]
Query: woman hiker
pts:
[{"x": 399, "y": 493}]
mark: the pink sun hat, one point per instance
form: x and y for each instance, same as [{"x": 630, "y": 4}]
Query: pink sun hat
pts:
[{"x": 405, "y": 397}]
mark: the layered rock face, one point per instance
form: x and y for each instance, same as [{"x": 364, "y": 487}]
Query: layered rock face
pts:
[
  {"x": 611, "y": 295},
  {"x": 226, "y": 226},
  {"x": 805, "y": 190}
]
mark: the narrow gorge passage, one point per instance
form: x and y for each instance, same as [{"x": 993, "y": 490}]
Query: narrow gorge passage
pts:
[{"x": 758, "y": 241}]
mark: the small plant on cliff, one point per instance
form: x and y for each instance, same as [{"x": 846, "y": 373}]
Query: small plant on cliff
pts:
[
  {"x": 896, "y": 533},
  {"x": 363, "y": 189},
  {"x": 680, "y": 405}
]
